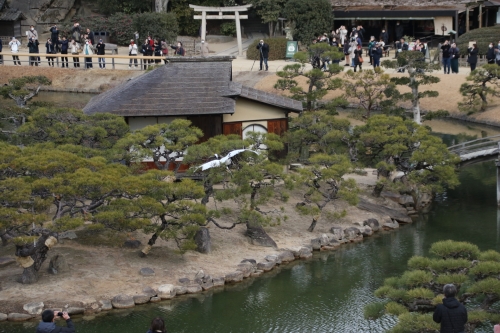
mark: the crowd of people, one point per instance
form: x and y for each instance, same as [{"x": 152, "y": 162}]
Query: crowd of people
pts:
[
  {"x": 350, "y": 43},
  {"x": 85, "y": 43}
]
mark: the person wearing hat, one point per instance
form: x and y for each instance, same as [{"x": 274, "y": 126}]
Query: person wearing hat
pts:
[
  {"x": 48, "y": 325},
  {"x": 14, "y": 48},
  {"x": 264, "y": 53}
]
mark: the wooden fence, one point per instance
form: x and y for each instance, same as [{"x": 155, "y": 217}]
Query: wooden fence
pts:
[{"x": 111, "y": 61}]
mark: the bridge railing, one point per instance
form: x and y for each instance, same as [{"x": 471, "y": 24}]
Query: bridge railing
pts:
[
  {"x": 112, "y": 61},
  {"x": 490, "y": 142}
]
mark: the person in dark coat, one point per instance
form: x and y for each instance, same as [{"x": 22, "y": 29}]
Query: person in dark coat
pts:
[
  {"x": 399, "y": 31},
  {"x": 472, "y": 60},
  {"x": 64, "y": 52},
  {"x": 452, "y": 315},
  {"x": 101, "y": 51},
  {"x": 179, "y": 49},
  {"x": 446, "y": 56},
  {"x": 346, "y": 54},
  {"x": 50, "y": 49},
  {"x": 1, "y": 56},
  {"x": 264, "y": 53},
  {"x": 490, "y": 55},
  {"x": 384, "y": 36},
  {"x": 90, "y": 36},
  {"x": 376, "y": 54},
  {"x": 54, "y": 36},
  {"x": 146, "y": 51},
  {"x": 48, "y": 325},
  {"x": 157, "y": 326},
  {"x": 358, "y": 58},
  {"x": 454, "y": 55},
  {"x": 33, "y": 48}
]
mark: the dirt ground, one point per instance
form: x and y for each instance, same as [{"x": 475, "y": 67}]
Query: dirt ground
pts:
[{"x": 101, "y": 272}]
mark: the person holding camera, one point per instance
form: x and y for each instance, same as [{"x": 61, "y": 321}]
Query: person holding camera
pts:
[
  {"x": 33, "y": 48},
  {"x": 76, "y": 31},
  {"x": 50, "y": 48},
  {"x": 14, "y": 48},
  {"x": 48, "y": 325},
  {"x": 264, "y": 53},
  {"x": 54, "y": 37},
  {"x": 446, "y": 56}
]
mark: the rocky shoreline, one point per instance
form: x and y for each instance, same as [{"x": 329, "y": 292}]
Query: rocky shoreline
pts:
[{"x": 247, "y": 268}]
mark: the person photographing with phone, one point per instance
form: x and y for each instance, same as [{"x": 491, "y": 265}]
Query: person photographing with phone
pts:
[{"x": 48, "y": 325}]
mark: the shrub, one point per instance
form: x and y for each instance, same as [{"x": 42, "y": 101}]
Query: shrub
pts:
[
  {"x": 490, "y": 255},
  {"x": 157, "y": 25},
  {"x": 449, "y": 265},
  {"x": 374, "y": 310},
  {"x": 228, "y": 28},
  {"x": 277, "y": 49},
  {"x": 486, "y": 286},
  {"x": 482, "y": 36},
  {"x": 420, "y": 293},
  {"x": 417, "y": 262},
  {"x": 451, "y": 249},
  {"x": 395, "y": 309},
  {"x": 392, "y": 282},
  {"x": 383, "y": 291},
  {"x": 311, "y": 17},
  {"x": 477, "y": 317},
  {"x": 416, "y": 278},
  {"x": 456, "y": 279},
  {"x": 398, "y": 295},
  {"x": 414, "y": 322},
  {"x": 486, "y": 268}
]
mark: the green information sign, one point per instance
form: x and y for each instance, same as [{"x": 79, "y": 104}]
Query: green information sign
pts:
[{"x": 291, "y": 49}]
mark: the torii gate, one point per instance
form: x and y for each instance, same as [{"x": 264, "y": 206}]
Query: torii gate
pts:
[{"x": 237, "y": 17}]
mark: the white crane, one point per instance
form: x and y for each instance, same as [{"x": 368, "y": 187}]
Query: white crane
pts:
[{"x": 225, "y": 160}]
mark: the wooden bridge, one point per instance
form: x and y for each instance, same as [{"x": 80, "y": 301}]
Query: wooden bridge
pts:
[{"x": 480, "y": 150}]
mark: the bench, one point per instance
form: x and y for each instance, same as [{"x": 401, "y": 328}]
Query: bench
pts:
[{"x": 111, "y": 47}]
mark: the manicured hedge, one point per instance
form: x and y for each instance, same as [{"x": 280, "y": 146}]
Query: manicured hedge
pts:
[
  {"x": 483, "y": 38},
  {"x": 277, "y": 49}
]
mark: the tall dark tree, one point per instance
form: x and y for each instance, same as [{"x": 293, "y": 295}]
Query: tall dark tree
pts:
[{"x": 310, "y": 18}]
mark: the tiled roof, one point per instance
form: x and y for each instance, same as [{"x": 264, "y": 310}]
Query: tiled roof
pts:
[
  {"x": 11, "y": 14},
  {"x": 185, "y": 86}
]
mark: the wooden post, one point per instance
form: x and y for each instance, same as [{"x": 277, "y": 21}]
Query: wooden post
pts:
[
  {"x": 480, "y": 15},
  {"x": 238, "y": 33},
  {"x": 497, "y": 162},
  {"x": 467, "y": 18},
  {"x": 203, "y": 25}
]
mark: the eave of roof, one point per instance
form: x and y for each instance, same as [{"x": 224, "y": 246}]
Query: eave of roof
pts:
[{"x": 12, "y": 14}]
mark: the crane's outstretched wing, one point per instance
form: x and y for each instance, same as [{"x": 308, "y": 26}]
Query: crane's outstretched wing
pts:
[
  {"x": 236, "y": 152},
  {"x": 208, "y": 165}
]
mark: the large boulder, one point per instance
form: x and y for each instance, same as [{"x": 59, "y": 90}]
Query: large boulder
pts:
[
  {"x": 207, "y": 285},
  {"x": 324, "y": 239},
  {"x": 397, "y": 215},
  {"x": 406, "y": 201},
  {"x": 258, "y": 236},
  {"x": 337, "y": 232},
  {"x": 352, "y": 234},
  {"x": 390, "y": 225},
  {"x": 18, "y": 316},
  {"x": 149, "y": 291},
  {"x": 219, "y": 281},
  {"x": 273, "y": 258},
  {"x": 246, "y": 268},
  {"x": 34, "y": 308},
  {"x": 193, "y": 289},
  {"x": 141, "y": 299},
  {"x": 122, "y": 301},
  {"x": 202, "y": 240},
  {"x": 106, "y": 304},
  {"x": 316, "y": 244},
  {"x": 180, "y": 290},
  {"x": 366, "y": 231},
  {"x": 166, "y": 291},
  {"x": 3, "y": 317},
  {"x": 286, "y": 256},
  {"x": 372, "y": 223},
  {"x": 234, "y": 277},
  {"x": 265, "y": 266},
  {"x": 75, "y": 310},
  {"x": 58, "y": 265}
]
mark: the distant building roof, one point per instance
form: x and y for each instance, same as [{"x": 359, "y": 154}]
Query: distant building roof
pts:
[
  {"x": 11, "y": 14},
  {"x": 185, "y": 86}
]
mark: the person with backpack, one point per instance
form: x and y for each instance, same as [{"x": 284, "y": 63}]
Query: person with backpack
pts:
[
  {"x": 48, "y": 325},
  {"x": 452, "y": 315},
  {"x": 179, "y": 49},
  {"x": 157, "y": 326}
]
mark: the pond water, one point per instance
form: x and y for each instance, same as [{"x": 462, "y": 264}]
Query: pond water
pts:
[{"x": 329, "y": 292}]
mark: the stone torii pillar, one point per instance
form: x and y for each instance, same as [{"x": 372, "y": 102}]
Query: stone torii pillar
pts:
[{"x": 237, "y": 17}]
